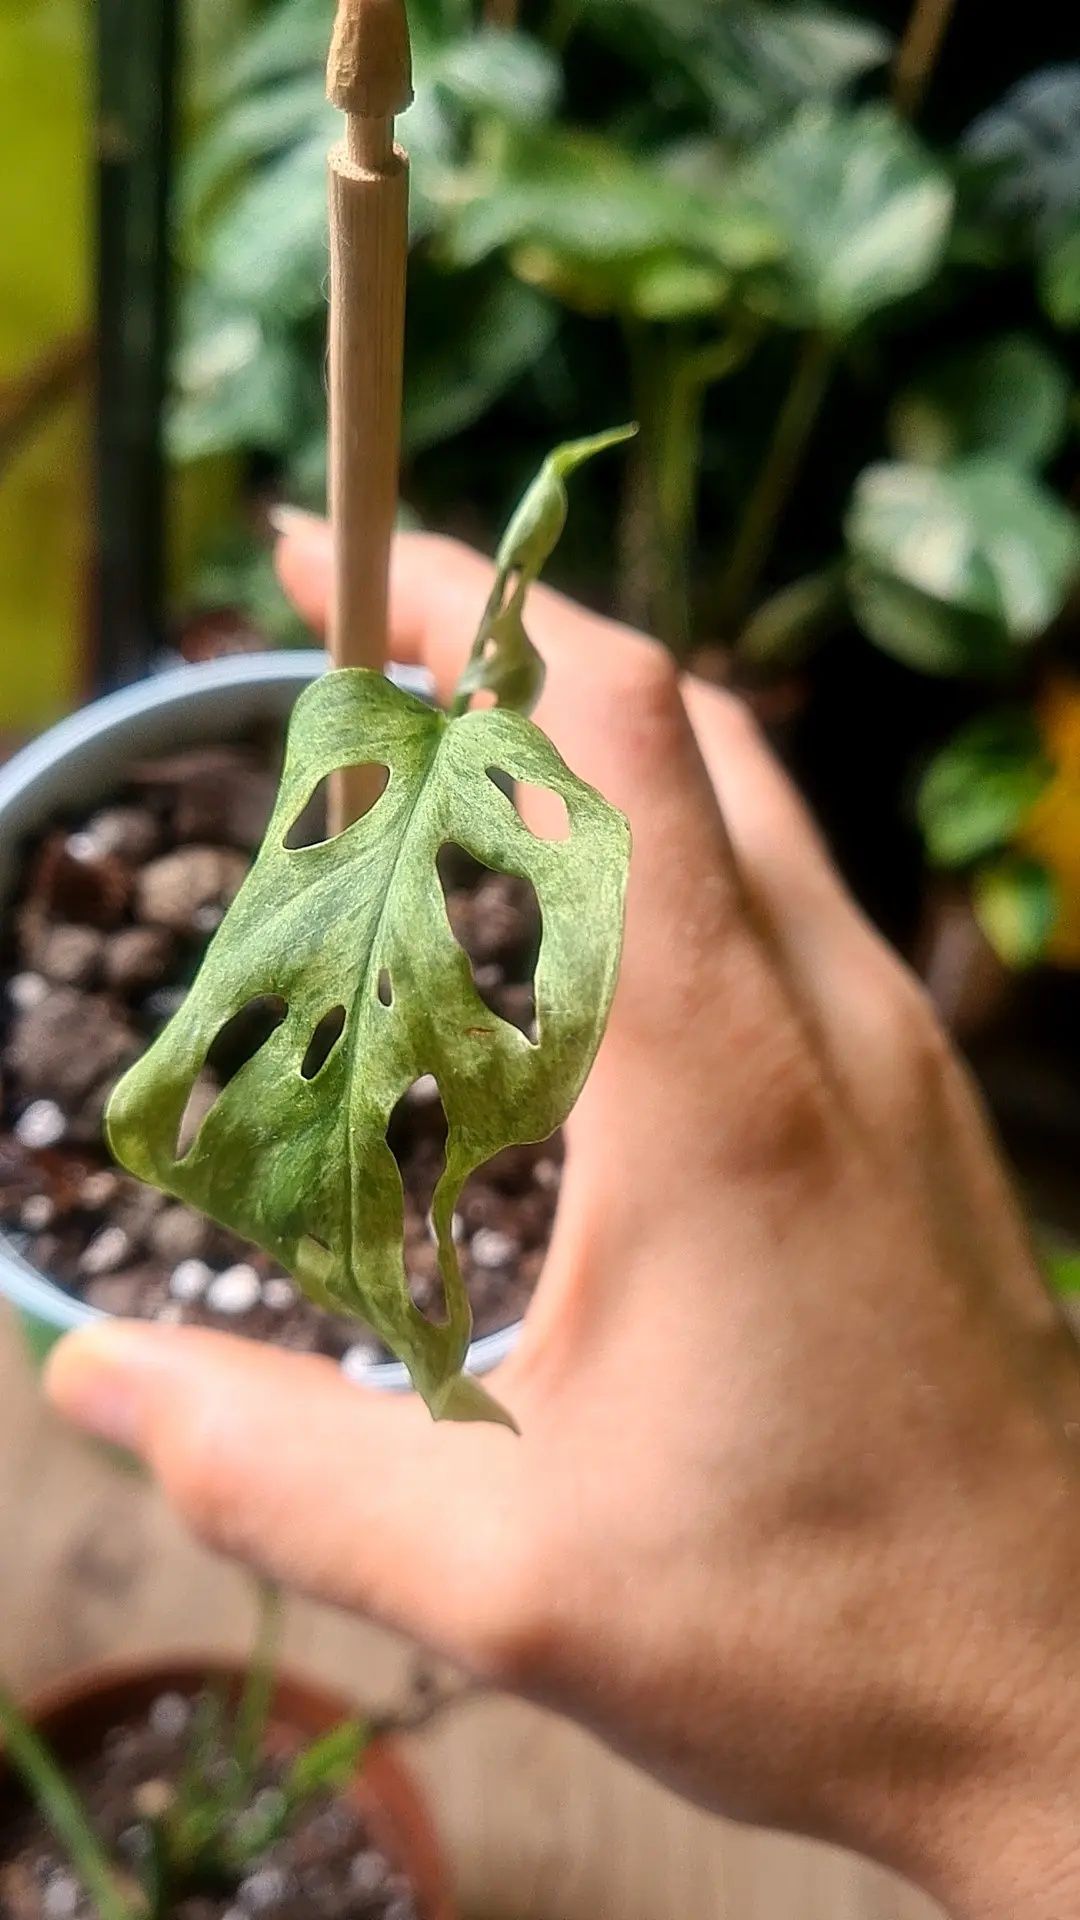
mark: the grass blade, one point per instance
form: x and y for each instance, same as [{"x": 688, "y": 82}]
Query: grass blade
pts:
[{"x": 60, "y": 1807}]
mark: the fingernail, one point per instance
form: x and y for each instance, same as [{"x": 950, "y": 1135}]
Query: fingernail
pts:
[
  {"x": 285, "y": 519},
  {"x": 97, "y": 1379}
]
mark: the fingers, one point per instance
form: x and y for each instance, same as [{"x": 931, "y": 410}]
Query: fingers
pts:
[
  {"x": 355, "y": 1496},
  {"x": 832, "y": 955}
]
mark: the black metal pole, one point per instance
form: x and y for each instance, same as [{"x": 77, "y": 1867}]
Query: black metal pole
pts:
[{"x": 137, "y": 63}]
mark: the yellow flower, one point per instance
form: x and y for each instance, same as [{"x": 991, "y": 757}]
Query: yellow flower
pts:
[{"x": 1050, "y": 831}]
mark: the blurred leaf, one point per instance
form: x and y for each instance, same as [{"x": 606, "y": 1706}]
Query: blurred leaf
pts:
[
  {"x": 1008, "y": 396},
  {"x": 329, "y": 1764},
  {"x": 251, "y": 129},
  {"x": 1030, "y": 146},
  {"x": 288, "y": 37},
  {"x": 777, "y": 57},
  {"x": 1059, "y": 279},
  {"x": 63, "y": 1814},
  {"x": 1016, "y": 905},
  {"x": 498, "y": 71},
  {"x": 235, "y": 382},
  {"x": 470, "y": 339},
  {"x": 1062, "y": 1268},
  {"x": 784, "y": 630},
  {"x": 977, "y": 790},
  {"x": 952, "y": 568},
  {"x": 241, "y": 576},
  {"x": 750, "y": 61},
  {"x": 655, "y": 286},
  {"x": 269, "y": 249},
  {"x": 585, "y": 197},
  {"x": 861, "y": 210}
]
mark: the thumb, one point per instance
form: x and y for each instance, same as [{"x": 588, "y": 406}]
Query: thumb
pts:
[{"x": 355, "y": 1497}]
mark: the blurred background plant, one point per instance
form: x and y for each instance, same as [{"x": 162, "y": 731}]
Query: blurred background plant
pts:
[
  {"x": 830, "y": 263},
  {"x": 829, "y": 256}
]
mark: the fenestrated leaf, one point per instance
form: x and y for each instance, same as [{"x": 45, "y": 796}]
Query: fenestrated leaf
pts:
[
  {"x": 953, "y": 568},
  {"x": 977, "y": 789},
  {"x": 1007, "y": 396},
  {"x": 303, "y": 1166},
  {"x": 860, "y": 210}
]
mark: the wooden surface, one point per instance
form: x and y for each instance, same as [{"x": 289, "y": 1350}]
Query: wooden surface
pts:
[{"x": 540, "y": 1823}]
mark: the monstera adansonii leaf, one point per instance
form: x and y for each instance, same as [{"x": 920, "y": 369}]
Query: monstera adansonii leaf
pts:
[{"x": 353, "y": 934}]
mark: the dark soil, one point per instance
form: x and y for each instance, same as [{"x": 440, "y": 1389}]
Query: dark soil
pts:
[
  {"x": 326, "y": 1868},
  {"x": 113, "y": 913}
]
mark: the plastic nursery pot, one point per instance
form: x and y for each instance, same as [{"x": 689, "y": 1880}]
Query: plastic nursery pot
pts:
[
  {"x": 75, "y": 1715},
  {"x": 80, "y": 762}
]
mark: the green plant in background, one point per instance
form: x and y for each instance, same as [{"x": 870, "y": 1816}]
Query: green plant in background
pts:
[
  {"x": 348, "y": 946},
  {"x": 253, "y": 224},
  {"x": 216, "y": 1819},
  {"x": 851, "y": 347}
]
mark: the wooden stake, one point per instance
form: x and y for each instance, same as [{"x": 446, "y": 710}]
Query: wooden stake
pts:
[
  {"x": 917, "y": 55},
  {"x": 370, "y": 78}
]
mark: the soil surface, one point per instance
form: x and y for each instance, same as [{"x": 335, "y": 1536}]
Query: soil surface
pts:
[
  {"x": 113, "y": 912},
  {"x": 326, "y": 1868}
]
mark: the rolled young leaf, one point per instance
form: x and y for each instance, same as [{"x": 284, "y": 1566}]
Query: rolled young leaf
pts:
[
  {"x": 503, "y": 660},
  {"x": 302, "y": 1166}
]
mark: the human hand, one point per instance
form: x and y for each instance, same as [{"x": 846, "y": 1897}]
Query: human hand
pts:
[{"x": 794, "y": 1516}]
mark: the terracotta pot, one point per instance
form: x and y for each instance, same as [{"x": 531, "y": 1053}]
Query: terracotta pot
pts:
[{"x": 76, "y": 1713}]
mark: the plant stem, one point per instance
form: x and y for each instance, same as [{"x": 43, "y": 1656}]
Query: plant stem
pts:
[
  {"x": 779, "y": 471},
  {"x": 61, "y": 1809},
  {"x": 678, "y": 463},
  {"x": 636, "y": 541},
  {"x": 563, "y": 23},
  {"x": 137, "y": 70},
  {"x": 670, "y": 381},
  {"x": 918, "y": 53},
  {"x": 253, "y": 1711}
]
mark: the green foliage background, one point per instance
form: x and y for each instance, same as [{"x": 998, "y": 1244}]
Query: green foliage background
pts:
[{"x": 844, "y": 311}]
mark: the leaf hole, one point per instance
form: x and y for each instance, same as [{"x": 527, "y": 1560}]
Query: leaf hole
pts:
[
  {"x": 367, "y": 781},
  {"x": 385, "y": 989},
  {"x": 495, "y": 919},
  {"x": 503, "y": 1225},
  {"x": 323, "y": 1041},
  {"x": 416, "y": 1136},
  {"x": 541, "y": 810},
  {"x": 237, "y": 1042}
]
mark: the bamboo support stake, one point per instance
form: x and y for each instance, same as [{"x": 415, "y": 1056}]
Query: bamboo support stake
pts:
[{"x": 370, "y": 78}]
